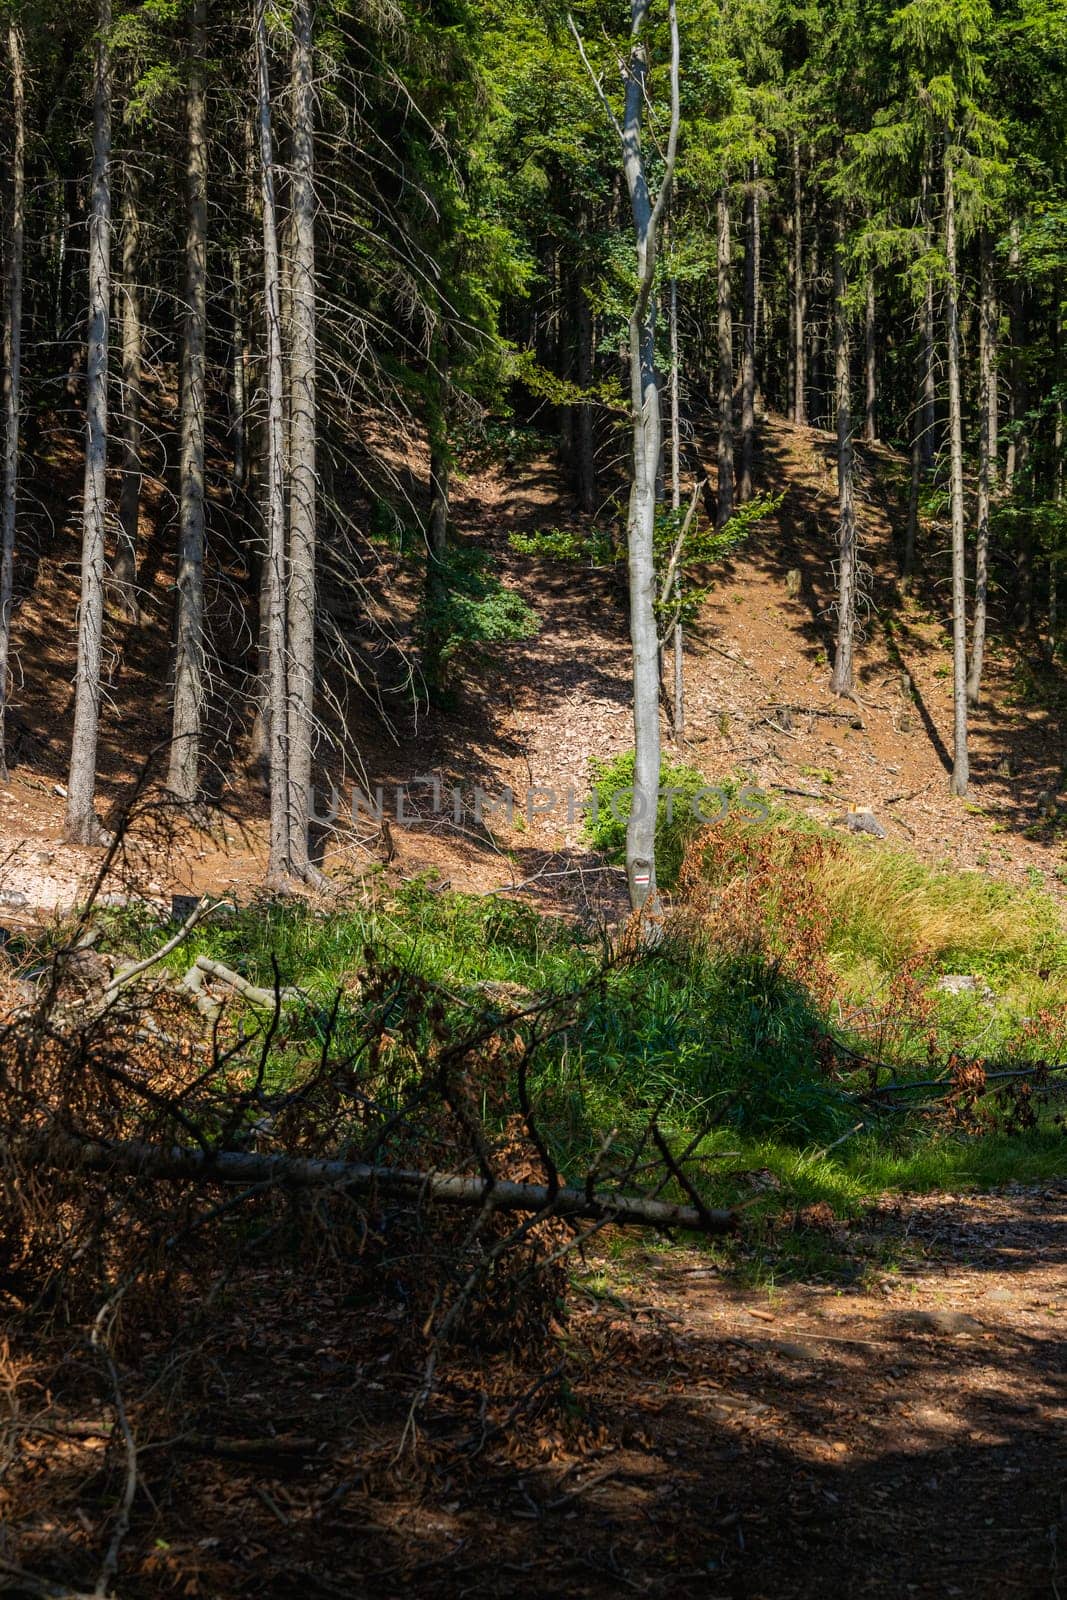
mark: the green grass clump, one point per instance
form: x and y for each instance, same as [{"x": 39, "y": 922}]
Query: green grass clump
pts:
[
  {"x": 687, "y": 801},
  {"x": 724, "y": 1027}
]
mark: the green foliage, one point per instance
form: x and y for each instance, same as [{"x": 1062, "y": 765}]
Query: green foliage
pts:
[
  {"x": 702, "y": 1032},
  {"x": 702, "y": 547},
  {"x": 592, "y": 546},
  {"x": 467, "y": 610},
  {"x": 612, "y": 787}
]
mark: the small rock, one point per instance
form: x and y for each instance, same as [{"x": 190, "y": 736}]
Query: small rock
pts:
[
  {"x": 795, "y": 1350},
  {"x": 964, "y": 983},
  {"x": 941, "y": 1322},
  {"x": 60, "y": 789},
  {"x": 861, "y": 819},
  {"x": 13, "y": 898}
]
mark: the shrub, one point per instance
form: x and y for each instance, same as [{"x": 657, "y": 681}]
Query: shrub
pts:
[{"x": 675, "y": 823}]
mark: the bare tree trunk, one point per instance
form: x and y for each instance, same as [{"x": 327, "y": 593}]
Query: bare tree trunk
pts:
[
  {"x": 986, "y": 382},
  {"x": 81, "y": 826},
  {"x": 841, "y": 680},
  {"x": 870, "y": 366},
  {"x": 726, "y": 366},
  {"x": 993, "y": 337},
  {"x": 10, "y": 395},
  {"x": 302, "y": 435},
  {"x": 183, "y": 777},
  {"x": 960, "y": 772},
  {"x": 800, "y": 299},
  {"x": 239, "y": 381},
  {"x": 124, "y": 571},
  {"x": 748, "y": 345},
  {"x": 1057, "y": 496},
  {"x": 586, "y": 457},
  {"x": 911, "y": 532},
  {"x": 275, "y": 575},
  {"x": 647, "y": 449},
  {"x": 676, "y": 502},
  {"x": 1019, "y": 441},
  {"x": 1015, "y": 405},
  {"x": 440, "y": 486},
  {"x": 929, "y": 376}
]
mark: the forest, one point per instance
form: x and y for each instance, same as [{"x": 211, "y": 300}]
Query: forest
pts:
[{"x": 533, "y": 797}]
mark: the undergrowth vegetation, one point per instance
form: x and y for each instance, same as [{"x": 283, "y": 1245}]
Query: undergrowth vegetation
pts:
[{"x": 821, "y": 1018}]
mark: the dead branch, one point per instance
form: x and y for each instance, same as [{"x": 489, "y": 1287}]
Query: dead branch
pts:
[
  {"x": 126, "y": 975},
  {"x": 179, "y": 1163},
  {"x": 204, "y": 967}
]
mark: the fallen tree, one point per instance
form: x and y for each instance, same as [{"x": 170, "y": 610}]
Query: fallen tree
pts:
[{"x": 180, "y": 1163}]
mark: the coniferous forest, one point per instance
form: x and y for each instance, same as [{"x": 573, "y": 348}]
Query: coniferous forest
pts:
[{"x": 533, "y": 797}]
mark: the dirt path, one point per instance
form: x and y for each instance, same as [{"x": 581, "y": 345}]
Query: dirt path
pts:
[
  {"x": 878, "y": 1432},
  {"x": 897, "y": 1440}
]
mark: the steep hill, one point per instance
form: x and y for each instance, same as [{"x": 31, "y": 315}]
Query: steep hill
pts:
[{"x": 530, "y": 717}]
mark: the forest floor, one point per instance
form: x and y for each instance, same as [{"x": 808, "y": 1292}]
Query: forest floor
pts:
[
  {"x": 888, "y": 1423},
  {"x": 879, "y": 1413},
  {"x": 757, "y": 702}
]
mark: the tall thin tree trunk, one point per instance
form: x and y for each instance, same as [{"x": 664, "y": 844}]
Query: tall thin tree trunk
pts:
[
  {"x": 586, "y": 456},
  {"x": 748, "y": 345},
  {"x": 929, "y": 375},
  {"x": 647, "y": 426},
  {"x": 10, "y": 385},
  {"x": 841, "y": 680},
  {"x": 726, "y": 365},
  {"x": 274, "y": 519},
  {"x": 911, "y": 532},
  {"x": 870, "y": 365},
  {"x": 800, "y": 297},
  {"x": 960, "y": 763},
  {"x": 986, "y": 381},
  {"x": 239, "y": 378},
  {"x": 125, "y": 567},
  {"x": 676, "y": 501},
  {"x": 302, "y": 435},
  {"x": 439, "y": 427},
  {"x": 1019, "y": 441},
  {"x": 1015, "y": 407},
  {"x": 1057, "y": 497},
  {"x": 183, "y": 777},
  {"x": 81, "y": 826},
  {"x": 992, "y": 333},
  {"x": 758, "y": 326}
]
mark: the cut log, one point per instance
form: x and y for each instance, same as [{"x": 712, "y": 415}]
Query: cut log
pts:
[{"x": 178, "y": 1163}]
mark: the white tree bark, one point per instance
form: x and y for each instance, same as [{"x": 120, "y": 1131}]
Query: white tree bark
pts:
[
  {"x": 800, "y": 298},
  {"x": 842, "y": 678},
  {"x": 183, "y": 777},
  {"x": 275, "y": 579},
  {"x": 82, "y": 826},
  {"x": 870, "y": 366},
  {"x": 725, "y": 456},
  {"x": 302, "y": 431},
  {"x": 10, "y": 384},
  {"x": 647, "y": 420},
  {"x": 986, "y": 381},
  {"x": 676, "y": 502},
  {"x": 960, "y": 764},
  {"x": 124, "y": 571},
  {"x": 748, "y": 338}
]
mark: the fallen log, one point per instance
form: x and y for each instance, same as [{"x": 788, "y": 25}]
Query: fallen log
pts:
[
  {"x": 180, "y": 1163},
  {"x": 205, "y": 968}
]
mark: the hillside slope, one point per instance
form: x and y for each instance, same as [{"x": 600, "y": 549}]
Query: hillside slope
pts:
[{"x": 757, "y": 698}]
